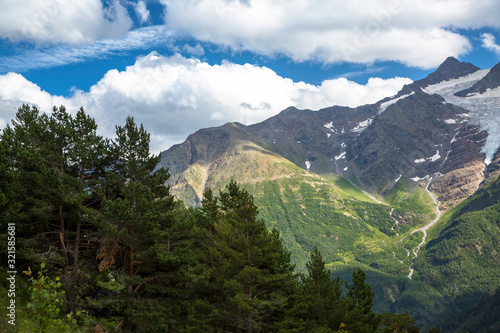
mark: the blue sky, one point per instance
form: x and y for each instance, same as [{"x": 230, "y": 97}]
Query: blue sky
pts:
[{"x": 181, "y": 65}]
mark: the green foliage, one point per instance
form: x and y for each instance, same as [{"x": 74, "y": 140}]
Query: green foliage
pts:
[
  {"x": 464, "y": 256},
  {"x": 413, "y": 240},
  {"x": 398, "y": 323},
  {"x": 460, "y": 259},
  {"x": 47, "y": 304},
  {"x": 309, "y": 214},
  {"x": 98, "y": 212},
  {"x": 318, "y": 306},
  {"x": 360, "y": 316},
  {"x": 412, "y": 207},
  {"x": 250, "y": 274}
]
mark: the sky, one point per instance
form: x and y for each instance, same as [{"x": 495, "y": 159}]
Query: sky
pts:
[{"x": 181, "y": 65}]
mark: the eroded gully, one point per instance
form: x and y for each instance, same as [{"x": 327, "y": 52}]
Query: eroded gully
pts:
[{"x": 438, "y": 211}]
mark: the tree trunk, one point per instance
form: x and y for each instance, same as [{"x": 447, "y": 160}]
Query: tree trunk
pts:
[
  {"x": 62, "y": 234},
  {"x": 77, "y": 246},
  {"x": 131, "y": 265},
  {"x": 78, "y": 228}
]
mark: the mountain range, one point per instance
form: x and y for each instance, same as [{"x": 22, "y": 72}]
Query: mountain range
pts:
[{"x": 406, "y": 188}]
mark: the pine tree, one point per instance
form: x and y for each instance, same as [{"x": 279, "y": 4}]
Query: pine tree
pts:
[
  {"x": 319, "y": 306},
  {"x": 35, "y": 182},
  {"x": 55, "y": 162},
  {"x": 250, "y": 270},
  {"x": 209, "y": 211},
  {"x": 391, "y": 322},
  {"x": 360, "y": 316},
  {"x": 144, "y": 220},
  {"x": 9, "y": 208},
  {"x": 87, "y": 159}
]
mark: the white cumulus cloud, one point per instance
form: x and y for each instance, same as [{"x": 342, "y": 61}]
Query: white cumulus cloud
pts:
[
  {"x": 142, "y": 11},
  {"x": 417, "y": 33},
  {"x": 490, "y": 43},
  {"x": 62, "y": 21},
  {"x": 15, "y": 90},
  {"x": 175, "y": 96}
]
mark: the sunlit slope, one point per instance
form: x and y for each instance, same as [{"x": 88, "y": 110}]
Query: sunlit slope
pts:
[
  {"x": 308, "y": 209},
  {"x": 311, "y": 210}
]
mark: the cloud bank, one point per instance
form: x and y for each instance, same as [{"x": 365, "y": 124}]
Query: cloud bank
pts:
[
  {"x": 416, "y": 33},
  {"x": 62, "y": 21},
  {"x": 138, "y": 39},
  {"x": 175, "y": 96}
]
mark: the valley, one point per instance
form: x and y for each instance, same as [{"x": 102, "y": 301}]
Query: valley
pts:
[{"x": 372, "y": 187}]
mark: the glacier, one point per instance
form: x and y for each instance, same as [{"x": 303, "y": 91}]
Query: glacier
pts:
[{"x": 484, "y": 109}]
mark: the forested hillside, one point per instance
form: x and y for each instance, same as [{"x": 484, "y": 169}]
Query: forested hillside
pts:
[
  {"x": 102, "y": 246},
  {"x": 462, "y": 262}
]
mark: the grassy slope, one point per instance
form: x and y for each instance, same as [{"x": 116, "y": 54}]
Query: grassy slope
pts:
[
  {"x": 347, "y": 226},
  {"x": 350, "y": 229}
]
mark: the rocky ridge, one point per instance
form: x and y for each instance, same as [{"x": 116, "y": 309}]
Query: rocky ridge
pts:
[{"x": 416, "y": 133}]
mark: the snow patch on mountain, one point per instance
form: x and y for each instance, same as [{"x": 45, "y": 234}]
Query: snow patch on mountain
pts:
[
  {"x": 417, "y": 179},
  {"x": 463, "y": 118},
  {"x": 341, "y": 156},
  {"x": 330, "y": 126},
  {"x": 488, "y": 93},
  {"x": 308, "y": 165},
  {"x": 433, "y": 158},
  {"x": 384, "y": 105},
  {"x": 455, "y": 85},
  {"x": 484, "y": 109},
  {"x": 360, "y": 127}
]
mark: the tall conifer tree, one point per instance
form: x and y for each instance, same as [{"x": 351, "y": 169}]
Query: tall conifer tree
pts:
[
  {"x": 360, "y": 316},
  {"x": 250, "y": 269},
  {"x": 319, "y": 306}
]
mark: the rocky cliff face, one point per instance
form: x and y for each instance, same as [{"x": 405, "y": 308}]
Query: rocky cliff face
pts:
[
  {"x": 450, "y": 69},
  {"x": 423, "y": 135},
  {"x": 464, "y": 170},
  {"x": 411, "y": 137},
  {"x": 312, "y": 139},
  {"x": 206, "y": 157}
]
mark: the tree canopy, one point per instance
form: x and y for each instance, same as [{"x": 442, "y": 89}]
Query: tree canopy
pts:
[{"x": 115, "y": 251}]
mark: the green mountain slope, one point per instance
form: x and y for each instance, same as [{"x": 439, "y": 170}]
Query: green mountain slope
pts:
[
  {"x": 462, "y": 259},
  {"x": 308, "y": 171},
  {"x": 310, "y": 210}
]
